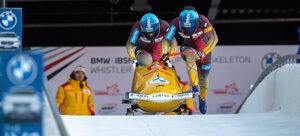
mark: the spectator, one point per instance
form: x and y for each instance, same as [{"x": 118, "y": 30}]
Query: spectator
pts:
[{"x": 74, "y": 97}]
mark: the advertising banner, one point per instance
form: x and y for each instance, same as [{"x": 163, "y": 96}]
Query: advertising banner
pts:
[
  {"x": 110, "y": 73},
  {"x": 21, "y": 94},
  {"x": 10, "y": 28}
]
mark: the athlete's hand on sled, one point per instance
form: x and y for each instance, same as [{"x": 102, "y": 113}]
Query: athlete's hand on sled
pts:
[
  {"x": 135, "y": 63},
  {"x": 168, "y": 62},
  {"x": 164, "y": 57}
]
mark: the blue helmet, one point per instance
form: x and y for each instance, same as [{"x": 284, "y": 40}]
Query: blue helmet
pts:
[
  {"x": 149, "y": 23},
  {"x": 188, "y": 21}
]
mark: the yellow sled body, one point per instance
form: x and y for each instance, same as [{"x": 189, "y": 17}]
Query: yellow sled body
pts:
[{"x": 156, "y": 79}]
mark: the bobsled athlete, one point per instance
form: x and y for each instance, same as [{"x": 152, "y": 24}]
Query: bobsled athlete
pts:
[
  {"x": 199, "y": 36},
  {"x": 147, "y": 35}
]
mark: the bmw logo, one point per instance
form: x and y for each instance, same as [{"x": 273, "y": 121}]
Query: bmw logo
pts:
[
  {"x": 22, "y": 69},
  {"x": 269, "y": 59},
  {"x": 8, "y": 20}
]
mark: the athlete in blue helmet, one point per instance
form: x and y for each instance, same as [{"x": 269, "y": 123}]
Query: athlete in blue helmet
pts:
[
  {"x": 188, "y": 22},
  {"x": 147, "y": 35},
  {"x": 199, "y": 36}
]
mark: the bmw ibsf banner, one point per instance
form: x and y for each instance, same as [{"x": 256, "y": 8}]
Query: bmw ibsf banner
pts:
[
  {"x": 110, "y": 73},
  {"x": 21, "y": 94},
  {"x": 10, "y": 28}
]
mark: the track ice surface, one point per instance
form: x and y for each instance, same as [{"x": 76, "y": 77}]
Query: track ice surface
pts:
[
  {"x": 273, "y": 109},
  {"x": 264, "y": 124}
]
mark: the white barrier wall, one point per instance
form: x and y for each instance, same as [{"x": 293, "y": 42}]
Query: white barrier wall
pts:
[
  {"x": 262, "y": 98},
  {"x": 278, "y": 91},
  {"x": 109, "y": 71}
]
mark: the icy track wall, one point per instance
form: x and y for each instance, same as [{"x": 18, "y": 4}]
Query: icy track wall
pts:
[{"x": 279, "y": 91}]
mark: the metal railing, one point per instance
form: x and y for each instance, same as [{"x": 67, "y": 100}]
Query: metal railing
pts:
[
  {"x": 54, "y": 109},
  {"x": 288, "y": 59}
]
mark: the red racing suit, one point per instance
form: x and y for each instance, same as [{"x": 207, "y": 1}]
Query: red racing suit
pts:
[
  {"x": 199, "y": 39},
  {"x": 137, "y": 39},
  {"x": 203, "y": 39}
]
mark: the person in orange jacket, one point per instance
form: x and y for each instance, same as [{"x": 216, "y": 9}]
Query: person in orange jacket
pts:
[{"x": 74, "y": 97}]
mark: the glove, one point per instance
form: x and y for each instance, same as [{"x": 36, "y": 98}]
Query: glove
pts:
[
  {"x": 168, "y": 62},
  {"x": 201, "y": 54},
  {"x": 162, "y": 58},
  {"x": 134, "y": 63}
]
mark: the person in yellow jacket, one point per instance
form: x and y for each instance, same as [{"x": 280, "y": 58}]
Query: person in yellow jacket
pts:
[{"x": 74, "y": 97}]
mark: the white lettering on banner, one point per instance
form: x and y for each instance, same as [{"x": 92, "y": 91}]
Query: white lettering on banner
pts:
[
  {"x": 111, "y": 69},
  {"x": 231, "y": 59}
]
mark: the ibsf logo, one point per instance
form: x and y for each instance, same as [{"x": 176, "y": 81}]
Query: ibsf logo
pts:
[
  {"x": 229, "y": 89},
  {"x": 110, "y": 90},
  {"x": 22, "y": 69},
  {"x": 269, "y": 59},
  {"x": 108, "y": 108},
  {"x": 226, "y": 107},
  {"x": 149, "y": 27},
  {"x": 8, "y": 20},
  {"x": 187, "y": 21}
]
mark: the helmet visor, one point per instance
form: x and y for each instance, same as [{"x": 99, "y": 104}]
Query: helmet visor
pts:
[
  {"x": 151, "y": 36},
  {"x": 188, "y": 30}
]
